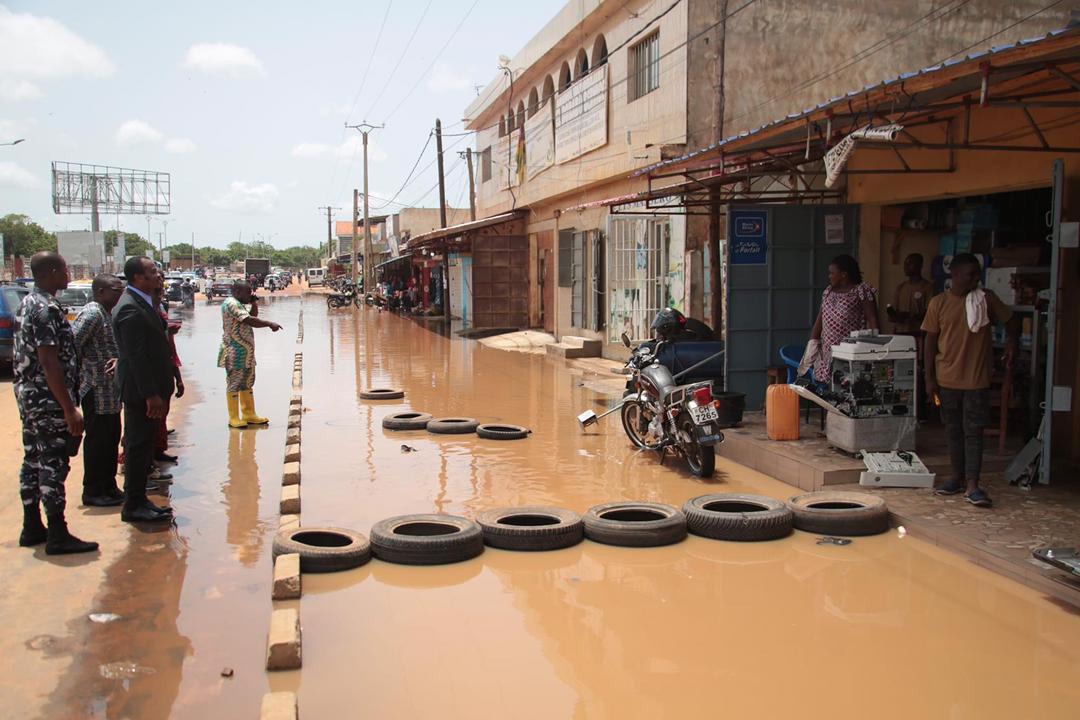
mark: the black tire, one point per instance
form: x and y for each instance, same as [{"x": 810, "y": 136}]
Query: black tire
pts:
[
  {"x": 737, "y": 516},
  {"x": 531, "y": 528},
  {"x": 409, "y": 420},
  {"x": 494, "y": 431},
  {"x": 452, "y": 426},
  {"x": 635, "y": 423},
  {"x": 635, "y": 524},
  {"x": 701, "y": 459},
  {"x": 426, "y": 539},
  {"x": 840, "y": 513},
  {"x": 382, "y": 394},
  {"x": 323, "y": 549}
]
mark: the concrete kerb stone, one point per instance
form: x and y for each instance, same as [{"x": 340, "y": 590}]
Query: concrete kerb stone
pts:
[
  {"x": 295, "y": 418},
  {"x": 290, "y": 473},
  {"x": 292, "y": 453},
  {"x": 289, "y": 521},
  {"x": 287, "y": 577},
  {"x": 283, "y": 642},
  {"x": 292, "y": 436},
  {"x": 278, "y": 706},
  {"x": 290, "y": 499}
]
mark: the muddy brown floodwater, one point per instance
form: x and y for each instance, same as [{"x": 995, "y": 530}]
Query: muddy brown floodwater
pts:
[{"x": 884, "y": 627}]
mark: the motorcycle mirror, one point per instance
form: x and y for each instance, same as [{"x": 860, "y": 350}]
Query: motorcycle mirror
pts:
[
  {"x": 587, "y": 418},
  {"x": 625, "y": 339}
]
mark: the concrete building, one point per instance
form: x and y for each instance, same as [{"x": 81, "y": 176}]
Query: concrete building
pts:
[{"x": 609, "y": 88}]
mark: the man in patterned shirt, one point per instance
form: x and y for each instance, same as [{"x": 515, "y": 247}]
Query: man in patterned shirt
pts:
[
  {"x": 46, "y": 383},
  {"x": 239, "y": 317},
  {"x": 100, "y": 393}
]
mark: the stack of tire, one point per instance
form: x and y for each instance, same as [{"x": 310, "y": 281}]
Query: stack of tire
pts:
[{"x": 436, "y": 539}]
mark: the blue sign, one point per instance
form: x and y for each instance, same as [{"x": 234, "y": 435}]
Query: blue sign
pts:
[{"x": 749, "y": 233}]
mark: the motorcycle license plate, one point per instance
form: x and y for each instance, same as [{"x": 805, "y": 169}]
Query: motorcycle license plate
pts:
[{"x": 704, "y": 414}]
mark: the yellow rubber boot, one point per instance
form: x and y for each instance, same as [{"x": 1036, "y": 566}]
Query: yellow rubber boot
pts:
[
  {"x": 235, "y": 421},
  {"x": 247, "y": 408}
]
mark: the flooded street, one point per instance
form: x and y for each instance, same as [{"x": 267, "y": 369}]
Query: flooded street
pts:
[{"x": 755, "y": 629}]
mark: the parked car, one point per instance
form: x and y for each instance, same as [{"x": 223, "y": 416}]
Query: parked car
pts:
[
  {"x": 10, "y": 297},
  {"x": 74, "y": 296},
  {"x": 221, "y": 288}
]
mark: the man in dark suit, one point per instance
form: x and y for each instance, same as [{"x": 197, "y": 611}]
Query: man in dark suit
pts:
[{"x": 145, "y": 372}]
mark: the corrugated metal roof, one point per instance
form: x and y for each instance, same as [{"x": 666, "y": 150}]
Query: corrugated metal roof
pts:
[{"x": 981, "y": 56}]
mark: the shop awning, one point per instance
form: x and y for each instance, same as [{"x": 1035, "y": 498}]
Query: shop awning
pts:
[
  {"x": 782, "y": 160},
  {"x": 445, "y": 237},
  {"x": 399, "y": 258}
]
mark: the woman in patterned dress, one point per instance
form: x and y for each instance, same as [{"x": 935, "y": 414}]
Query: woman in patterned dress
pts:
[{"x": 848, "y": 304}]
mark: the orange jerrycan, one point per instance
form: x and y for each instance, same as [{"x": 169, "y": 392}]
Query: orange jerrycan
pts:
[{"x": 781, "y": 413}]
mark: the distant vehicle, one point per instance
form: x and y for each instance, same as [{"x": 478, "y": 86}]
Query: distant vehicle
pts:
[
  {"x": 221, "y": 288},
  {"x": 316, "y": 276},
  {"x": 259, "y": 267},
  {"x": 74, "y": 296},
  {"x": 10, "y": 297}
]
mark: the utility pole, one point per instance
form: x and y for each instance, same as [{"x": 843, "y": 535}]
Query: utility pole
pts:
[
  {"x": 442, "y": 223},
  {"x": 329, "y": 229},
  {"x": 364, "y": 129},
  {"x": 355, "y": 212},
  {"x": 472, "y": 186}
]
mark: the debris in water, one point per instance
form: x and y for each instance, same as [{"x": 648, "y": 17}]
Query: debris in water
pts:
[
  {"x": 103, "y": 617},
  {"x": 226, "y": 672},
  {"x": 901, "y": 530},
  {"x": 123, "y": 670},
  {"x": 832, "y": 540},
  {"x": 407, "y": 449}
]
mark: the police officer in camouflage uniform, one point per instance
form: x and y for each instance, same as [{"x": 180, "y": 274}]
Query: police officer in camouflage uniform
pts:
[{"x": 46, "y": 384}]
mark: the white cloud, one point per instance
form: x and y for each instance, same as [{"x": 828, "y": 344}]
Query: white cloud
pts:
[
  {"x": 32, "y": 46},
  {"x": 251, "y": 199},
  {"x": 310, "y": 150},
  {"x": 445, "y": 79},
  {"x": 18, "y": 90},
  {"x": 134, "y": 132},
  {"x": 223, "y": 59},
  {"x": 179, "y": 146},
  {"x": 16, "y": 175}
]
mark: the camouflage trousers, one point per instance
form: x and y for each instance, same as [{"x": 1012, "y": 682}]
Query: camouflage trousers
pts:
[
  {"x": 45, "y": 459},
  {"x": 239, "y": 379}
]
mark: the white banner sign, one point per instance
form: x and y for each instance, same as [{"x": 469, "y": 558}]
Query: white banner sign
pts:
[
  {"x": 540, "y": 140},
  {"x": 581, "y": 116},
  {"x": 82, "y": 248}
]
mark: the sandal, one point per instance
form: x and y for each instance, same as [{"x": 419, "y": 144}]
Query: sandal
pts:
[{"x": 979, "y": 498}]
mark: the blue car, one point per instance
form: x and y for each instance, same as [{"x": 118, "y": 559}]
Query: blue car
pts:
[{"x": 10, "y": 297}]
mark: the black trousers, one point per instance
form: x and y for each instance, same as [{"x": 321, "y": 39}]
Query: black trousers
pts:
[
  {"x": 101, "y": 448},
  {"x": 138, "y": 451}
]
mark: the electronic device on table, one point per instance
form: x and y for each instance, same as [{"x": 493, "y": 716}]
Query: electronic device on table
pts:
[{"x": 895, "y": 469}]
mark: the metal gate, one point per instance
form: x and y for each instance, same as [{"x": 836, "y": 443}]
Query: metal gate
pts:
[
  {"x": 500, "y": 281},
  {"x": 773, "y": 295},
  {"x": 637, "y": 270}
]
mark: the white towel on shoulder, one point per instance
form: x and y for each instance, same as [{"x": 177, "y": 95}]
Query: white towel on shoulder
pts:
[{"x": 978, "y": 316}]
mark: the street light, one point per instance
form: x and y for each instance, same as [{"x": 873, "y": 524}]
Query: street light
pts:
[{"x": 14, "y": 142}]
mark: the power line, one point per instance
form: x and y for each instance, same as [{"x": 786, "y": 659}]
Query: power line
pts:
[
  {"x": 999, "y": 32},
  {"x": 404, "y": 52},
  {"x": 413, "y": 170},
  {"x": 433, "y": 60}
]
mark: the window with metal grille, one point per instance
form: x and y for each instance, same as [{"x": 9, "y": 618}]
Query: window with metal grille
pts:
[
  {"x": 637, "y": 274},
  {"x": 644, "y": 70},
  {"x": 485, "y": 164}
]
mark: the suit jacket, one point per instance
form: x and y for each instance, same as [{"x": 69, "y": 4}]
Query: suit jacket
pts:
[{"x": 145, "y": 366}]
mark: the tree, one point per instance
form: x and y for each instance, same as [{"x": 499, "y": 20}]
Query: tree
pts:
[{"x": 23, "y": 236}]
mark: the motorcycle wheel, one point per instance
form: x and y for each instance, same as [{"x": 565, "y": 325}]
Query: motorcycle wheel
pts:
[
  {"x": 702, "y": 460},
  {"x": 635, "y": 421},
  {"x": 329, "y": 303}
]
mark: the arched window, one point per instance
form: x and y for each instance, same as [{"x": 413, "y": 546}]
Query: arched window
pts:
[
  {"x": 509, "y": 123},
  {"x": 502, "y": 126},
  {"x": 534, "y": 102},
  {"x": 581, "y": 65},
  {"x": 520, "y": 120},
  {"x": 564, "y": 76},
  {"x": 599, "y": 51},
  {"x": 549, "y": 89}
]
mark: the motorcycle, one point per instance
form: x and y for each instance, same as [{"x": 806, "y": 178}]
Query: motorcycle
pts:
[
  {"x": 348, "y": 296},
  {"x": 659, "y": 414}
]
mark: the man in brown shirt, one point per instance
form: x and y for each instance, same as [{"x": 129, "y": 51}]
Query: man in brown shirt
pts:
[
  {"x": 957, "y": 364},
  {"x": 912, "y": 298}
]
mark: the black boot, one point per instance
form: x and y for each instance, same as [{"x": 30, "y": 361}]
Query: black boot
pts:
[
  {"x": 61, "y": 542},
  {"x": 33, "y": 532}
]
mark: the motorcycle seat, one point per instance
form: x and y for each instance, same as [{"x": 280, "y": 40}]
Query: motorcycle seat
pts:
[{"x": 679, "y": 356}]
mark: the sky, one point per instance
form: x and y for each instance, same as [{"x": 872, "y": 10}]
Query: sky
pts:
[{"x": 244, "y": 104}]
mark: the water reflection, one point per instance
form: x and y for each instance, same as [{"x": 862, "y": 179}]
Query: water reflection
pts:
[{"x": 241, "y": 494}]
